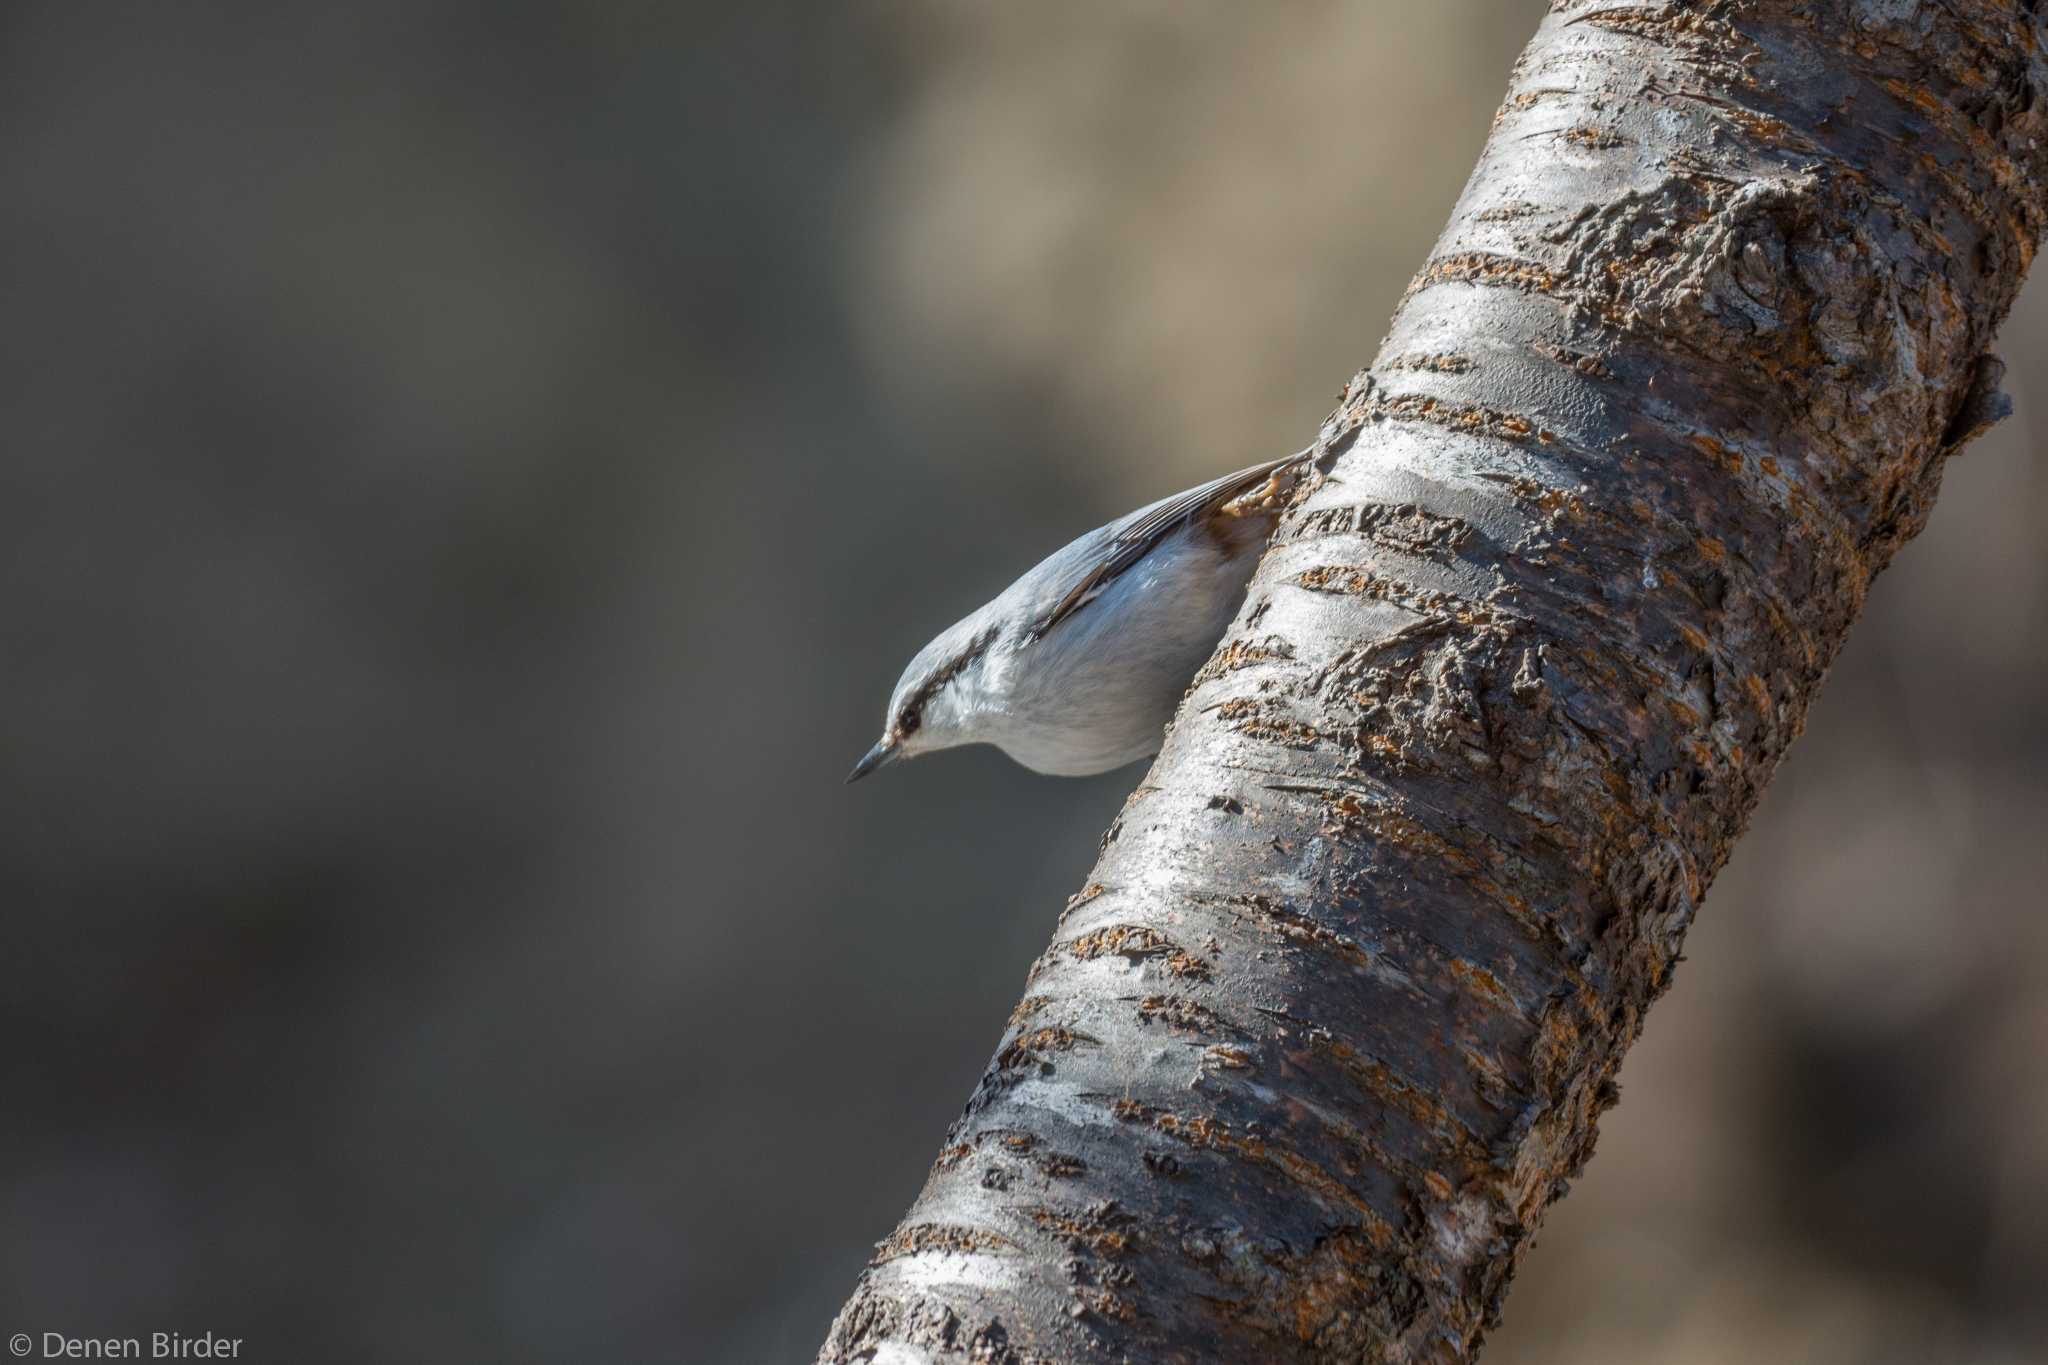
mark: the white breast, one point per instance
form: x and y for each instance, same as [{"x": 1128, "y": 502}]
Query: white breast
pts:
[{"x": 1097, "y": 691}]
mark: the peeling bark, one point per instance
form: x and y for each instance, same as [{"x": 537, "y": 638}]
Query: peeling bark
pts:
[{"x": 1336, "y": 1015}]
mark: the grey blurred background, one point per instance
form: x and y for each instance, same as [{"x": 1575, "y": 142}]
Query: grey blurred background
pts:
[{"x": 473, "y": 474}]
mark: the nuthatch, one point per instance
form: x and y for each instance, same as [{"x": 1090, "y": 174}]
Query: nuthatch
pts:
[{"x": 1078, "y": 665}]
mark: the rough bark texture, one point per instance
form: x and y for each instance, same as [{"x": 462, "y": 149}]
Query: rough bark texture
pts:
[{"x": 1334, "y": 1018}]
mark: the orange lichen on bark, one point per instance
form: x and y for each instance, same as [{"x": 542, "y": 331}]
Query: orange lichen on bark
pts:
[{"x": 919, "y": 1238}]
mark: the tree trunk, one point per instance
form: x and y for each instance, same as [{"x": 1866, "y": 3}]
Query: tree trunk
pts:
[{"x": 1334, "y": 1018}]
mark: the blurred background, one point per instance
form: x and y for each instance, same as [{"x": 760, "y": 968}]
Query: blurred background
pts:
[{"x": 474, "y": 475}]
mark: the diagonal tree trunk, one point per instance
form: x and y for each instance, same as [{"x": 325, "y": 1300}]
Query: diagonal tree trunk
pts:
[{"x": 1333, "y": 1020}]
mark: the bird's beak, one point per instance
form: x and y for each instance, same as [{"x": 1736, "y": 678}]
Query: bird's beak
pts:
[{"x": 884, "y": 751}]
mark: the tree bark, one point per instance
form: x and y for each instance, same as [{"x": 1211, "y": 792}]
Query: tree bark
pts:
[{"x": 1333, "y": 1019}]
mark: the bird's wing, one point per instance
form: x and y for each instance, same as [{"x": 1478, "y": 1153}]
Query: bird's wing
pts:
[{"x": 1104, "y": 561}]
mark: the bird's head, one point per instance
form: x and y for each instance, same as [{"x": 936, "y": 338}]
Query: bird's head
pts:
[{"x": 934, "y": 705}]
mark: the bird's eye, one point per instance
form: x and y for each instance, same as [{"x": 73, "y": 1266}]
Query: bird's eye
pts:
[{"x": 908, "y": 721}]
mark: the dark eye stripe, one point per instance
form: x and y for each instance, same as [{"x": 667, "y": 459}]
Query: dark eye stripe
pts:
[{"x": 912, "y": 714}]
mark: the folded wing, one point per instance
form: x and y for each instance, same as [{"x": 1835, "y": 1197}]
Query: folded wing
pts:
[{"x": 1132, "y": 543}]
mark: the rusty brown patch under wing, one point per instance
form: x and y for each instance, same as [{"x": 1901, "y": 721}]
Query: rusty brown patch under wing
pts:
[{"x": 1245, "y": 521}]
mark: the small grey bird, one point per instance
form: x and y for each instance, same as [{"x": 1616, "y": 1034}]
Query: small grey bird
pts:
[{"x": 1078, "y": 665}]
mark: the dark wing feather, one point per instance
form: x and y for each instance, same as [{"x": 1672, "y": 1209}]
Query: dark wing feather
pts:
[{"x": 1137, "y": 540}]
